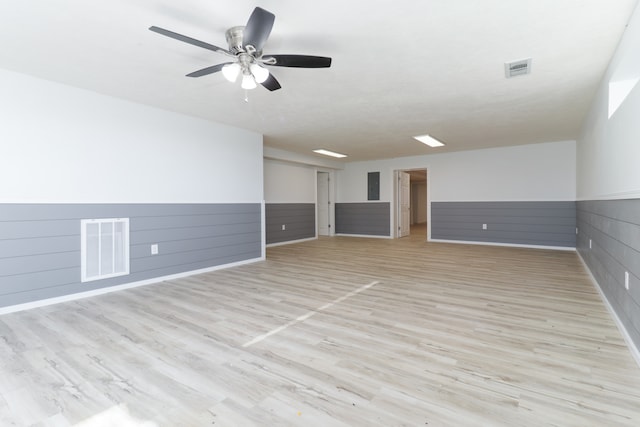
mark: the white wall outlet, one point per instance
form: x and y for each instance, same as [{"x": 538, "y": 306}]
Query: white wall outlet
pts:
[
  {"x": 484, "y": 226},
  {"x": 284, "y": 227},
  {"x": 154, "y": 249},
  {"x": 626, "y": 280},
  {"x": 589, "y": 243}
]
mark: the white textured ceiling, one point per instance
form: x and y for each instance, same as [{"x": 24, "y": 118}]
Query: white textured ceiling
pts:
[{"x": 400, "y": 68}]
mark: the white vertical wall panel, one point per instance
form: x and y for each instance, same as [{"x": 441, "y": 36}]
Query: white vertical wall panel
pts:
[
  {"x": 62, "y": 144},
  {"x": 289, "y": 183},
  {"x": 534, "y": 172}
]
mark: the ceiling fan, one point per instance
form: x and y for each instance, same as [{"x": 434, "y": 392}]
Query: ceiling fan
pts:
[{"x": 245, "y": 47}]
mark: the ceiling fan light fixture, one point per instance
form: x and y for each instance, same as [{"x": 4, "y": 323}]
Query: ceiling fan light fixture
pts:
[
  {"x": 231, "y": 71},
  {"x": 245, "y": 49},
  {"x": 248, "y": 82},
  {"x": 261, "y": 74}
]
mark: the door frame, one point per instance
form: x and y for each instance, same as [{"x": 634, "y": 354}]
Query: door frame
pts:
[
  {"x": 396, "y": 201},
  {"x": 403, "y": 210}
]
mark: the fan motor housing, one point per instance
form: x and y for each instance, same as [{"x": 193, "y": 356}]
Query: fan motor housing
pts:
[{"x": 234, "y": 39}]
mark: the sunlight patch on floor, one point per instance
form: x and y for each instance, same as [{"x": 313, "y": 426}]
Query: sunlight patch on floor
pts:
[{"x": 116, "y": 416}]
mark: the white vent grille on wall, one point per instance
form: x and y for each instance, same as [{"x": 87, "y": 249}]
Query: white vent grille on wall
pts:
[
  {"x": 517, "y": 68},
  {"x": 104, "y": 248}
]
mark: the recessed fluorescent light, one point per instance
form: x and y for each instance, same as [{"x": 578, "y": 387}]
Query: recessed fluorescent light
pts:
[
  {"x": 329, "y": 153},
  {"x": 429, "y": 140}
]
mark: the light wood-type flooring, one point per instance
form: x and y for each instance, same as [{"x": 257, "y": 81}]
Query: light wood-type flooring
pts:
[{"x": 332, "y": 332}]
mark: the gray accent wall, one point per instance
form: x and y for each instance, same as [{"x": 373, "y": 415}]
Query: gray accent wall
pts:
[
  {"x": 40, "y": 243},
  {"x": 524, "y": 223},
  {"x": 613, "y": 226},
  {"x": 299, "y": 220},
  {"x": 369, "y": 219}
]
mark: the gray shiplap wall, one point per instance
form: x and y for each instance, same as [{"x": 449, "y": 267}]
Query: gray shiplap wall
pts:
[
  {"x": 40, "y": 243},
  {"x": 613, "y": 226},
  {"x": 525, "y": 223},
  {"x": 299, "y": 220},
  {"x": 370, "y": 219}
]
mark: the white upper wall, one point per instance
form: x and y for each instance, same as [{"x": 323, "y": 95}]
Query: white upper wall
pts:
[
  {"x": 533, "y": 172},
  {"x": 288, "y": 183},
  {"x": 62, "y": 144},
  {"x": 608, "y": 150}
]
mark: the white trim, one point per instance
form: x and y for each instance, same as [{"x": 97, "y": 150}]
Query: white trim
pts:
[
  {"x": 372, "y": 236},
  {"x": 623, "y": 195},
  {"x": 263, "y": 232},
  {"x": 288, "y": 242},
  {"x": 101, "y": 291},
  {"x": 315, "y": 203},
  {"x": 503, "y": 200},
  {"x": 635, "y": 352},
  {"x": 129, "y": 202},
  {"x": 509, "y": 245},
  {"x": 429, "y": 201}
]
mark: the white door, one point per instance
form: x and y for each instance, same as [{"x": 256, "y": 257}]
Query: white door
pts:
[
  {"x": 404, "y": 208},
  {"x": 322, "y": 204}
]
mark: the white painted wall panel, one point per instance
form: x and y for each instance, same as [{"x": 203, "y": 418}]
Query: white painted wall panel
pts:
[
  {"x": 289, "y": 183},
  {"x": 62, "y": 144},
  {"x": 521, "y": 173}
]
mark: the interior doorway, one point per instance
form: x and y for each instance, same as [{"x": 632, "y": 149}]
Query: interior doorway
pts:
[{"x": 411, "y": 202}]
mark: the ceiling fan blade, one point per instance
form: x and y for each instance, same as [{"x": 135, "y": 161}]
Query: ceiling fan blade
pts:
[
  {"x": 297, "y": 61},
  {"x": 208, "y": 70},
  {"x": 189, "y": 40},
  {"x": 258, "y": 28},
  {"x": 271, "y": 83}
]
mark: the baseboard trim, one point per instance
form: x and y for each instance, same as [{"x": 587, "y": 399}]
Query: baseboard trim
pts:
[
  {"x": 509, "y": 245},
  {"x": 289, "y": 242},
  {"x": 370, "y": 236},
  {"x": 635, "y": 352},
  {"x": 102, "y": 291}
]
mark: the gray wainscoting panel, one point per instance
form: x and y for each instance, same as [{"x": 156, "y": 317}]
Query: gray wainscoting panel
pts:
[
  {"x": 613, "y": 227},
  {"x": 524, "y": 223},
  {"x": 40, "y": 243},
  {"x": 371, "y": 219},
  {"x": 299, "y": 220}
]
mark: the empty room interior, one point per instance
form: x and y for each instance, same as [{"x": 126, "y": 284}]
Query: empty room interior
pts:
[{"x": 407, "y": 213}]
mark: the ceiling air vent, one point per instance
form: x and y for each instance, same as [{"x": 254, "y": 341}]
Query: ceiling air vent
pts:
[{"x": 517, "y": 68}]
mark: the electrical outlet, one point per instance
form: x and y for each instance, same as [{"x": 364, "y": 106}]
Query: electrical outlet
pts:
[
  {"x": 484, "y": 226},
  {"x": 154, "y": 249},
  {"x": 626, "y": 280},
  {"x": 284, "y": 227}
]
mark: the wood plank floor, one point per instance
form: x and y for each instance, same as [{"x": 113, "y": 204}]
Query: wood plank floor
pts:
[{"x": 334, "y": 332}]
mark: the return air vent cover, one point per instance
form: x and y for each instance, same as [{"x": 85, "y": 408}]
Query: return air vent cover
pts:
[
  {"x": 104, "y": 248},
  {"x": 517, "y": 68}
]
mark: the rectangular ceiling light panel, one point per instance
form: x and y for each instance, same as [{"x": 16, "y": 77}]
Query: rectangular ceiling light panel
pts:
[
  {"x": 329, "y": 153},
  {"x": 429, "y": 140}
]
